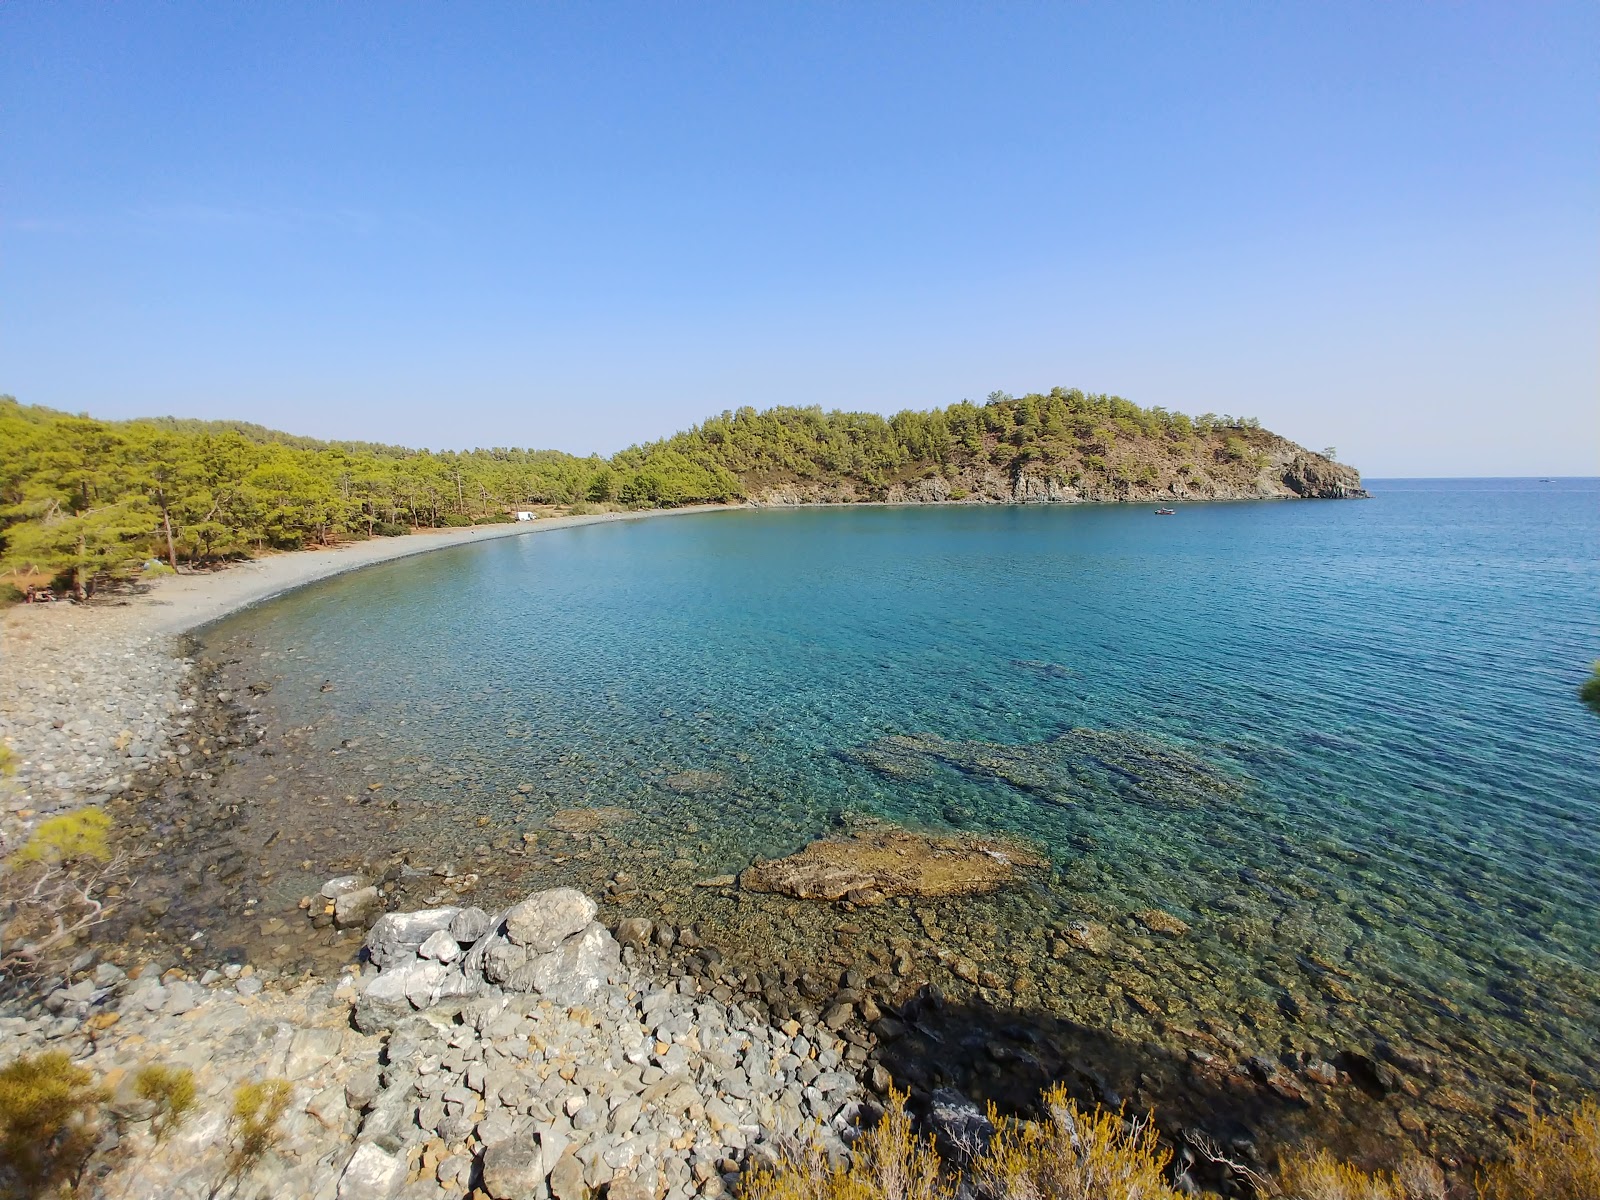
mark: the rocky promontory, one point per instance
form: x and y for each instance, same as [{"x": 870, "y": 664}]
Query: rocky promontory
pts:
[{"x": 1265, "y": 466}]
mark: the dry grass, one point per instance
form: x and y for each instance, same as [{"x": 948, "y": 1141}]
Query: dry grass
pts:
[
  {"x": 253, "y": 1125},
  {"x": 1073, "y": 1155},
  {"x": 1322, "y": 1177},
  {"x": 889, "y": 1163},
  {"x": 1556, "y": 1158},
  {"x": 70, "y": 837},
  {"x": 172, "y": 1091}
]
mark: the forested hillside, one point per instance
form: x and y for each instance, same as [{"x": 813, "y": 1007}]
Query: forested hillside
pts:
[{"x": 84, "y": 500}]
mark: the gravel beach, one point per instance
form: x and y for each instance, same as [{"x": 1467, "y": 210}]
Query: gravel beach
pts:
[{"x": 91, "y": 693}]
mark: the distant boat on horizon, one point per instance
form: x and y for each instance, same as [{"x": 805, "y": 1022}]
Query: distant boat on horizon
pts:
[{"x": 1165, "y": 512}]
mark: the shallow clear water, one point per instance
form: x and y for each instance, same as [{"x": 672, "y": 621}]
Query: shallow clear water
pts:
[{"x": 1395, "y": 833}]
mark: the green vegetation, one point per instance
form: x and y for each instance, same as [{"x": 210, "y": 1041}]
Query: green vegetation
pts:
[
  {"x": 253, "y": 1124},
  {"x": 1589, "y": 692},
  {"x": 74, "y": 836},
  {"x": 48, "y": 1123},
  {"x": 85, "y": 502},
  {"x": 172, "y": 1091}
]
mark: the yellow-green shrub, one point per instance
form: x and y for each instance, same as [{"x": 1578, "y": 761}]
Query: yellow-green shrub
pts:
[
  {"x": 80, "y": 835},
  {"x": 253, "y": 1123},
  {"x": 172, "y": 1091},
  {"x": 48, "y": 1111}
]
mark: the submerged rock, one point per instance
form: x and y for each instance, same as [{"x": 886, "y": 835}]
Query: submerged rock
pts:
[
  {"x": 580, "y": 822},
  {"x": 1080, "y": 765},
  {"x": 886, "y": 861},
  {"x": 695, "y": 782},
  {"x": 1159, "y": 921}
]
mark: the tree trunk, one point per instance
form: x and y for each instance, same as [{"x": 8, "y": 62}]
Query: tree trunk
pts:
[{"x": 166, "y": 525}]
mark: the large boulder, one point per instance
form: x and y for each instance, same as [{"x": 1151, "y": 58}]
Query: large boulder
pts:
[
  {"x": 396, "y": 937},
  {"x": 548, "y": 944},
  {"x": 572, "y": 973},
  {"x": 372, "y": 1174},
  {"x": 392, "y": 995},
  {"x": 514, "y": 1169},
  {"x": 359, "y": 907},
  {"x": 546, "y": 919},
  {"x": 569, "y": 974}
]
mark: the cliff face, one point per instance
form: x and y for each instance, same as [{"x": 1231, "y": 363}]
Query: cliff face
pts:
[{"x": 1275, "y": 468}]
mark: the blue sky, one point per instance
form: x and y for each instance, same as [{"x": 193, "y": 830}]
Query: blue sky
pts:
[{"x": 580, "y": 226}]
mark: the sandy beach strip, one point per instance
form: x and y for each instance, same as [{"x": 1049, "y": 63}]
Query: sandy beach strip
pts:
[{"x": 182, "y": 603}]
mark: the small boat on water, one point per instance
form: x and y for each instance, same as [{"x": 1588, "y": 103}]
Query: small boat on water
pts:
[{"x": 1165, "y": 512}]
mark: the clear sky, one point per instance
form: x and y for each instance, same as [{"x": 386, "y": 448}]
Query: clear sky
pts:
[{"x": 1375, "y": 226}]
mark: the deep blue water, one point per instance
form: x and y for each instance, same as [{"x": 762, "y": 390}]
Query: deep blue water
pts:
[{"x": 1406, "y": 835}]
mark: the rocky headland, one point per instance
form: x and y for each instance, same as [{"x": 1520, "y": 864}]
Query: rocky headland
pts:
[{"x": 1278, "y": 469}]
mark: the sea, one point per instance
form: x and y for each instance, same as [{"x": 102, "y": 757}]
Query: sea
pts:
[{"x": 1339, "y": 741}]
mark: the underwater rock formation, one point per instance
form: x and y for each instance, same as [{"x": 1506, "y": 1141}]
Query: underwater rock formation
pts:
[{"x": 882, "y": 861}]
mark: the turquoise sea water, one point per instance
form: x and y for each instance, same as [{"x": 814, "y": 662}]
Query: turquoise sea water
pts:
[{"x": 1339, "y": 739}]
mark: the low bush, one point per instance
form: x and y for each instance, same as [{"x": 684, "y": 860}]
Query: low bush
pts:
[
  {"x": 1073, "y": 1155},
  {"x": 1555, "y": 1158},
  {"x": 1589, "y": 693},
  {"x": 172, "y": 1091},
  {"x": 1100, "y": 1155},
  {"x": 455, "y": 521},
  {"x": 253, "y": 1124},
  {"x": 390, "y": 529},
  {"x": 71, "y": 837},
  {"x": 48, "y": 1123},
  {"x": 10, "y": 593},
  {"x": 889, "y": 1163},
  {"x": 1322, "y": 1177}
]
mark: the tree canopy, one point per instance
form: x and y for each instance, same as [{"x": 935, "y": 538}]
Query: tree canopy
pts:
[{"x": 83, "y": 500}]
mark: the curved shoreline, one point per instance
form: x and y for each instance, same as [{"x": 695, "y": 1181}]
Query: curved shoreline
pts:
[{"x": 200, "y": 599}]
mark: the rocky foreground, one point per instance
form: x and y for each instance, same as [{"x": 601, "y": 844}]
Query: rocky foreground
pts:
[{"x": 520, "y": 1055}]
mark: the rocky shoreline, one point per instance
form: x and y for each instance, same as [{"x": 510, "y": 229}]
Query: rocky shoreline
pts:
[
  {"x": 882, "y": 1016},
  {"x": 517, "y": 1056}
]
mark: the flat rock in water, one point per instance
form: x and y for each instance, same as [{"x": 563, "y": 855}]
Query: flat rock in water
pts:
[
  {"x": 893, "y": 862},
  {"x": 583, "y": 821},
  {"x": 690, "y": 783}
]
